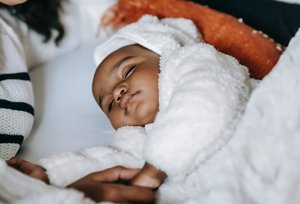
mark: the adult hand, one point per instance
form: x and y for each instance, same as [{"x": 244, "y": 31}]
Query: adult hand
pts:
[
  {"x": 28, "y": 168},
  {"x": 108, "y": 185},
  {"x": 149, "y": 176}
]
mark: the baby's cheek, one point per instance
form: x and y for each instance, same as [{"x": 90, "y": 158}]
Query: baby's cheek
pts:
[
  {"x": 116, "y": 121},
  {"x": 122, "y": 120},
  {"x": 145, "y": 113}
]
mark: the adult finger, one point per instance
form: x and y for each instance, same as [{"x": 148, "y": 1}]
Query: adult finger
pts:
[
  {"x": 114, "y": 174},
  {"x": 18, "y": 163},
  {"x": 13, "y": 161},
  {"x": 33, "y": 170}
]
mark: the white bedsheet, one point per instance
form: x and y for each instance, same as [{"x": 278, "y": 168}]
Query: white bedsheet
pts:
[{"x": 67, "y": 117}]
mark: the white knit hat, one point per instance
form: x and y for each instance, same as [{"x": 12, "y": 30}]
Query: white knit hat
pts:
[
  {"x": 114, "y": 43},
  {"x": 151, "y": 33}
]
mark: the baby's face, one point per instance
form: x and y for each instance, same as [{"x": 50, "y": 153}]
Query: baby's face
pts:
[{"x": 125, "y": 86}]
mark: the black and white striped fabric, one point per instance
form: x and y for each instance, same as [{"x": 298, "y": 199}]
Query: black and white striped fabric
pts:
[{"x": 16, "y": 94}]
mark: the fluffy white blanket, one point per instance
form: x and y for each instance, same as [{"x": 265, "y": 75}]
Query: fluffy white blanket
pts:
[{"x": 258, "y": 165}]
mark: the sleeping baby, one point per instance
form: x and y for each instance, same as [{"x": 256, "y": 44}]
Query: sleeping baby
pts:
[
  {"x": 174, "y": 102},
  {"x": 187, "y": 95}
]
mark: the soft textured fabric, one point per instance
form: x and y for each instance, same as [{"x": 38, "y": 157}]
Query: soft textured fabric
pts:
[
  {"x": 202, "y": 93},
  {"x": 16, "y": 94},
  {"x": 126, "y": 150},
  {"x": 260, "y": 164}
]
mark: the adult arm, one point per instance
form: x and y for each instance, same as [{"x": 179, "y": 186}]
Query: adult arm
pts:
[{"x": 16, "y": 94}]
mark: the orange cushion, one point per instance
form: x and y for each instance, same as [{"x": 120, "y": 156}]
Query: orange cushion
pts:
[{"x": 224, "y": 32}]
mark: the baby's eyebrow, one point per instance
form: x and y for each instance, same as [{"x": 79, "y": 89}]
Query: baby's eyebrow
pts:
[{"x": 120, "y": 62}]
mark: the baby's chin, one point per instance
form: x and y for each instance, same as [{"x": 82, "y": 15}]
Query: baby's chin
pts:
[
  {"x": 146, "y": 115},
  {"x": 141, "y": 123},
  {"x": 146, "y": 121},
  {"x": 141, "y": 116},
  {"x": 131, "y": 124}
]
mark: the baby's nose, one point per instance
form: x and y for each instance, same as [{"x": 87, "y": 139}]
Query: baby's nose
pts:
[{"x": 119, "y": 92}]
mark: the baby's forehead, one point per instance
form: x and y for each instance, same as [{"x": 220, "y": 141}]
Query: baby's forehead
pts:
[{"x": 129, "y": 50}]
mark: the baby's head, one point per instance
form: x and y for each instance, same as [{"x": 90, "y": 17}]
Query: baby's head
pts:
[
  {"x": 125, "y": 86},
  {"x": 125, "y": 83}
]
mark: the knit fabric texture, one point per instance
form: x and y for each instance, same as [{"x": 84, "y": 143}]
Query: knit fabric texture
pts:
[{"x": 16, "y": 94}]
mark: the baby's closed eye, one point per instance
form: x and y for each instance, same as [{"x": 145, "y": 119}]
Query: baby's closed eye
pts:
[{"x": 129, "y": 71}]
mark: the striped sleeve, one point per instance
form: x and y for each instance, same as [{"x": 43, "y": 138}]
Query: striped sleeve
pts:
[{"x": 16, "y": 94}]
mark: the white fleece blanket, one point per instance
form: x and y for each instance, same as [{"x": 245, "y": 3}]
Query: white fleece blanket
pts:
[{"x": 259, "y": 164}]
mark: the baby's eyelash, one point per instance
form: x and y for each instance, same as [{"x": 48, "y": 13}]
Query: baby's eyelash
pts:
[
  {"x": 110, "y": 105},
  {"x": 130, "y": 71}
]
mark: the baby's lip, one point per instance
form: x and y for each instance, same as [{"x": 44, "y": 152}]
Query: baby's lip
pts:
[{"x": 126, "y": 100}]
